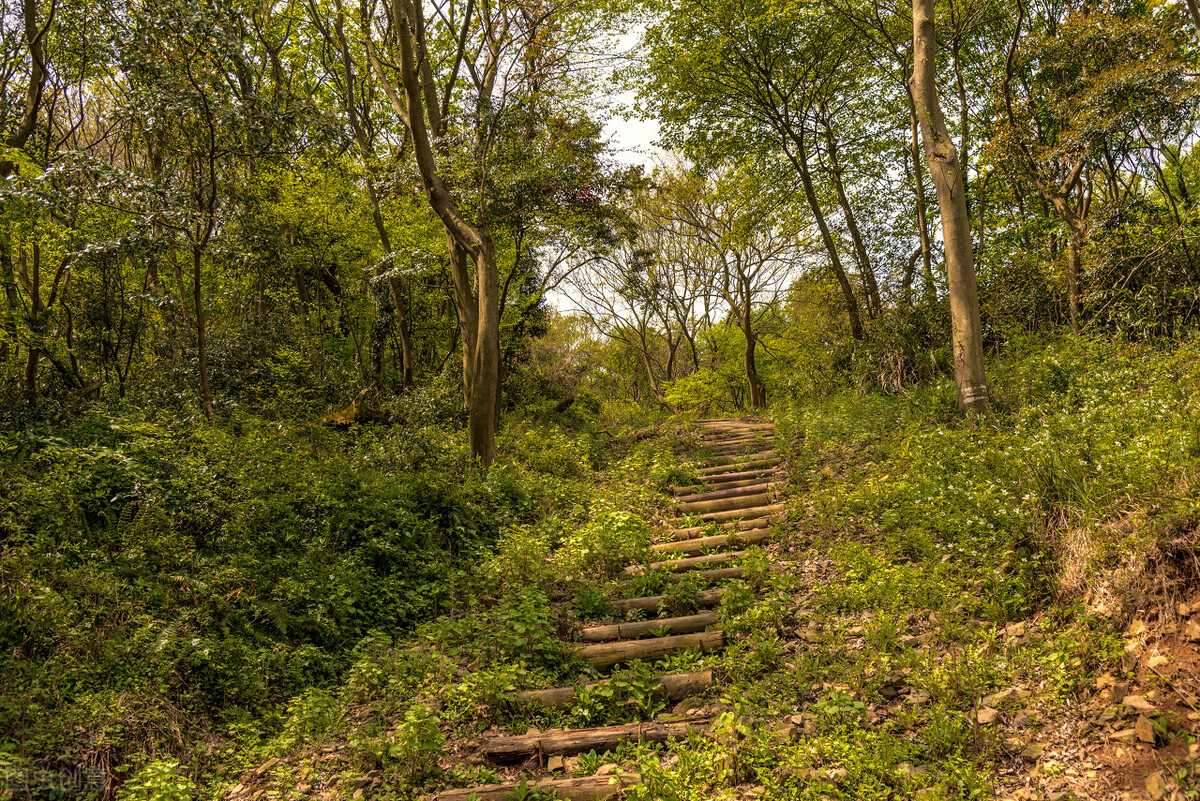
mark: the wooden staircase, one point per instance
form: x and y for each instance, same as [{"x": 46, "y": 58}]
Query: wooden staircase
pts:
[{"x": 738, "y": 494}]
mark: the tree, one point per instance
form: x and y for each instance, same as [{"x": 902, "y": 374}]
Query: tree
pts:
[{"x": 969, "y": 378}]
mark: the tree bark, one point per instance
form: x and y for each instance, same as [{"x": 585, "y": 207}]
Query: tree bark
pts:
[
  {"x": 703, "y": 600},
  {"x": 758, "y": 390},
  {"x": 874, "y": 302},
  {"x": 970, "y": 381},
  {"x": 919, "y": 191},
  {"x": 673, "y": 687},
  {"x": 514, "y": 749},
  {"x": 587, "y": 788},
  {"x": 608, "y": 654}
]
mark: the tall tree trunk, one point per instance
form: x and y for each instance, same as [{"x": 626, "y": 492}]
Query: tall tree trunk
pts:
[
  {"x": 922, "y": 206},
  {"x": 874, "y": 303},
  {"x": 758, "y": 390},
  {"x": 799, "y": 160},
  {"x": 201, "y": 333},
  {"x": 969, "y": 377},
  {"x": 1194, "y": 9},
  {"x": 1074, "y": 246}
]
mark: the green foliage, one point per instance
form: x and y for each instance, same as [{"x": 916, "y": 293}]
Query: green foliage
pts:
[
  {"x": 158, "y": 781},
  {"x": 611, "y": 539}
]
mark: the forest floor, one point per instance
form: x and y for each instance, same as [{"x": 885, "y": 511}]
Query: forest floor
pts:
[{"x": 841, "y": 657}]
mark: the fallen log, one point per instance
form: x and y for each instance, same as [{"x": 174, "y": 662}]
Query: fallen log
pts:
[
  {"x": 607, "y": 654},
  {"x": 737, "y": 457},
  {"x": 587, "y": 788},
  {"x": 746, "y": 501},
  {"x": 702, "y": 544},
  {"x": 751, "y": 513},
  {"x": 692, "y": 490},
  {"x": 644, "y": 628},
  {"x": 604, "y": 738},
  {"x": 693, "y": 562},
  {"x": 673, "y": 687},
  {"x": 651, "y": 603}
]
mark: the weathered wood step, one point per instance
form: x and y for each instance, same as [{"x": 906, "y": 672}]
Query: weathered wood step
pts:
[
  {"x": 743, "y": 501},
  {"x": 688, "y": 563},
  {"x": 673, "y": 687},
  {"x": 719, "y": 574},
  {"x": 604, "y": 655},
  {"x": 733, "y": 525},
  {"x": 738, "y": 467},
  {"x": 736, "y": 457},
  {"x": 700, "y": 489},
  {"x": 650, "y": 603},
  {"x": 732, "y": 492},
  {"x": 720, "y": 446},
  {"x": 586, "y": 788},
  {"x": 725, "y": 480},
  {"x": 699, "y": 545},
  {"x": 687, "y": 624},
  {"x": 752, "y": 513},
  {"x": 600, "y": 739}
]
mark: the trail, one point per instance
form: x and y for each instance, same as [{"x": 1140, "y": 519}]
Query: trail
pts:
[{"x": 739, "y": 491}]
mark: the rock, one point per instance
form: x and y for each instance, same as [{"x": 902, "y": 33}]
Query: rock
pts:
[
  {"x": 1192, "y": 630},
  {"x": 1137, "y": 627},
  {"x": 1032, "y": 752},
  {"x": 996, "y": 698},
  {"x": 556, "y": 762},
  {"x": 788, "y": 732},
  {"x": 687, "y": 705},
  {"x": 1162, "y": 664},
  {"x": 987, "y": 715},
  {"x": 572, "y": 764},
  {"x": 1027, "y": 717},
  {"x": 1145, "y": 730},
  {"x": 608, "y": 769},
  {"x": 1156, "y": 785},
  {"x": 1138, "y": 704},
  {"x": 888, "y": 692},
  {"x": 1125, "y": 736},
  {"x": 1015, "y": 629},
  {"x": 856, "y": 631}
]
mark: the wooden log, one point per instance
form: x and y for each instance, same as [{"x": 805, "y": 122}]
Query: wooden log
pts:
[
  {"x": 738, "y": 467},
  {"x": 586, "y": 788},
  {"x": 607, "y": 654},
  {"x": 697, "y": 562},
  {"x": 702, "y": 544},
  {"x": 725, "y": 504},
  {"x": 673, "y": 687},
  {"x": 752, "y": 513},
  {"x": 601, "y": 739},
  {"x": 718, "y": 445},
  {"x": 733, "y": 492},
  {"x": 725, "y": 481},
  {"x": 737, "y": 457},
  {"x": 733, "y": 525},
  {"x": 719, "y": 574},
  {"x": 693, "y": 490},
  {"x": 650, "y": 603},
  {"x": 644, "y": 628}
]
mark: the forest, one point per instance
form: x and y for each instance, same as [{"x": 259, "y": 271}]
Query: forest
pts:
[{"x": 384, "y": 415}]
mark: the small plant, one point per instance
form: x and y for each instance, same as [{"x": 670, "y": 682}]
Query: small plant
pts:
[{"x": 158, "y": 781}]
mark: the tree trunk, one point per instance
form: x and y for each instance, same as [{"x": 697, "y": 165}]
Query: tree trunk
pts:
[
  {"x": 970, "y": 381},
  {"x": 1194, "y": 9},
  {"x": 201, "y": 334},
  {"x": 800, "y": 161},
  {"x": 1074, "y": 246},
  {"x": 919, "y": 190},
  {"x": 874, "y": 302},
  {"x": 758, "y": 390}
]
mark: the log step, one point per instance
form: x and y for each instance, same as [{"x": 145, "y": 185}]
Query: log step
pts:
[
  {"x": 699, "y": 545},
  {"x": 673, "y": 686},
  {"x": 736, "y": 446},
  {"x": 650, "y": 603},
  {"x": 600, "y": 739},
  {"x": 587, "y": 788},
  {"x": 724, "y": 481},
  {"x": 751, "y": 513},
  {"x": 737, "y": 457},
  {"x": 688, "y": 563},
  {"x": 719, "y": 574},
  {"x": 693, "y": 490},
  {"x": 645, "y": 628},
  {"x": 742, "y": 501},
  {"x": 735, "y": 525},
  {"x": 607, "y": 654},
  {"x": 739, "y": 467},
  {"x": 727, "y": 491}
]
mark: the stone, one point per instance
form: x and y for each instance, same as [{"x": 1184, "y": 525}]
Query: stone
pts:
[
  {"x": 1145, "y": 730},
  {"x": 996, "y": 698},
  {"x": 687, "y": 705},
  {"x": 1192, "y": 630},
  {"x": 1156, "y": 785},
  {"x": 987, "y": 715},
  {"x": 1125, "y": 736},
  {"x": 1015, "y": 629},
  {"x": 572, "y": 764},
  {"x": 608, "y": 769},
  {"x": 1137, "y": 627},
  {"x": 556, "y": 762},
  {"x": 1138, "y": 704},
  {"x": 1032, "y": 752},
  {"x": 1027, "y": 717}
]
